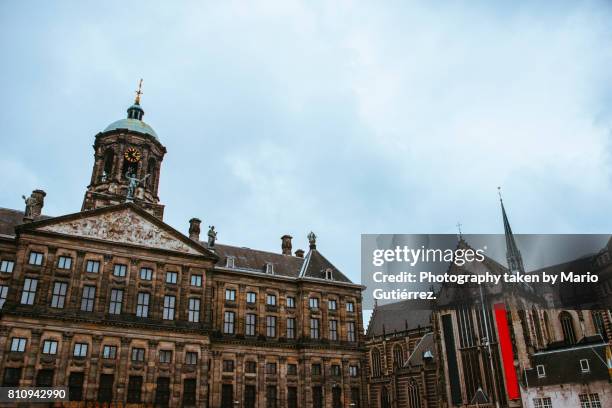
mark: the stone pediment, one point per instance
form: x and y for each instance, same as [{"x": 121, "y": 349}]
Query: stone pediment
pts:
[{"x": 124, "y": 225}]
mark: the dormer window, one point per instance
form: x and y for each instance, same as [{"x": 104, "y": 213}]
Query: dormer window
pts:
[
  {"x": 270, "y": 268},
  {"x": 584, "y": 365},
  {"x": 230, "y": 262},
  {"x": 328, "y": 274},
  {"x": 541, "y": 371}
]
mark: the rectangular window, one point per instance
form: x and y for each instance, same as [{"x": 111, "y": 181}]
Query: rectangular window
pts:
[
  {"x": 189, "y": 392},
  {"x": 230, "y": 295},
  {"x": 18, "y": 344},
  {"x": 332, "y": 304},
  {"x": 138, "y": 354},
  {"x": 315, "y": 369},
  {"x": 196, "y": 280},
  {"x": 333, "y": 330},
  {"x": 80, "y": 350},
  {"x": 353, "y": 371},
  {"x": 271, "y": 396},
  {"x": 270, "y": 368},
  {"x": 355, "y": 399},
  {"x": 120, "y": 270},
  {"x": 105, "y": 388},
  {"x": 250, "y": 324},
  {"x": 142, "y": 304},
  {"x": 250, "y": 367},
  {"x": 50, "y": 347},
  {"x": 335, "y": 370},
  {"x": 228, "y": 366},
  {"x": 250, "y": 393},
  {"x": 230, "y": 262},
  {"x": 146, "y": 274},
  {"x": 291, "y": 397},
  {"x": 547, "y": 403},
  {"x": 59, "y": 295},
  {"x": 116, "y": 301},
  {"x": 109, "y": 352},
  {"x": 270, "y": 269},
  {"x": 169, "y": 307},
  {"x": 191, "y": 358},
  {"x": 251, "y": 297},
  {"x": 584, "y": 365},
  {"x": 171, "y": 277},
  {"x": 541, "y": 371},
  {"x": 36, "y": 258},
  {"x": 64, "y": 262},
  {"x": 271, "y": 300},
  {"x": 3, "y": 295},
  {"x": 134, "y": 391},
  {"x": 291, "y": 328},
  {"x": 165, "y": 356},
  {"x": 290, "y": 302},
  {"x": 317, "y": 397},
  {"x": 88, "y": 298},
  {"x": 194, "y": 310},
  {"x": 314, "y": 303},
  {"x": 29, "y": 291},
  {"x": 12, "y": 376},
  {"x": 314, "y": 328},
  {"x": 7, "y": 266},
  {"x": 291, "y": 369},
  {"x": 44, "y": 378},
  {"x": 350, "y": 331},
  {"x": 75, "y": 386},
  {"x": 350, "y": 307},
  {"x": 228, "y": 323},
  {"x": 271, "y": 326},
  {"x": 92, "y": 266}
]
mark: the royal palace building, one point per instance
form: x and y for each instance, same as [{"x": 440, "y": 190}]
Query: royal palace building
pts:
[{"x": 122, "y": 308}]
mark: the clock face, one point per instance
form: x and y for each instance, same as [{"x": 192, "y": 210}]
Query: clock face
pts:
[{"x": 132, "y": 155}]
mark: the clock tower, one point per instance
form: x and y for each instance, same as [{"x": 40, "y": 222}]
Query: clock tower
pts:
[{"x": 127, "y": 162}]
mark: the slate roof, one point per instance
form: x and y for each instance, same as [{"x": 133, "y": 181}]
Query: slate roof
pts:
[
  {"x": 9, "y": 219},
  {"x": 425, "y": 345},
  {"x": 245, "y": 259},
  {"x": 562, "y": 365},
  {"x": 397, "y": 316}
]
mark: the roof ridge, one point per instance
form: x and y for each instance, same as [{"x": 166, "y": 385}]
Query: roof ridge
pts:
[{"x": 253, "y": 249}]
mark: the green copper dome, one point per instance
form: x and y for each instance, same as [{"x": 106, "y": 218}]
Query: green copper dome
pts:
[{"x": 133, "y": 122}]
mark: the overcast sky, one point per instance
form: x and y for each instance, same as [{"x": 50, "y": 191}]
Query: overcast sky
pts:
[{"x": 338, "y": 117}]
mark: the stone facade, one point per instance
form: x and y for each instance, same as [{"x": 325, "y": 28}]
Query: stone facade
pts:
[{"x": 120, "y": 307}]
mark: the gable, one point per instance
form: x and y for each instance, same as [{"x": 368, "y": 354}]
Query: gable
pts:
[{"x": 124, "y": 225}]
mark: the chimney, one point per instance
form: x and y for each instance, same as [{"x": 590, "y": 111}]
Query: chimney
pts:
[
  {"x": 286, "y": 244},
  {"x": 194, "y": 229},
  {"x": 34, "y": 205},
  {"x": 299, "y": 253}
]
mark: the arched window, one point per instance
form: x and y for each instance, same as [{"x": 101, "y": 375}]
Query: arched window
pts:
[
  {"x": 525, "y": 326},
  {"x": 547, "y": 329},
  {"x": 598, "y": 322},
  {"x": 535, "y": 317},
  {"x": 376, "y": 363},
  {"x": 109, "y": 158},
  {"x": 398, "y": 356},
  {"x": 567, "y": 325},
  {"x": 414, "y": 396},
  {"x": 385, "y": 398},
  {"x": 151, "y": 181}
]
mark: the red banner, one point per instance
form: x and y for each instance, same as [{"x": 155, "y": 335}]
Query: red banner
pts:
[{"x": 505, "y": 342}]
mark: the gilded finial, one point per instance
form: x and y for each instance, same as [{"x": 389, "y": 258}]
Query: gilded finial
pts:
[{"x": 138, "y": 92}]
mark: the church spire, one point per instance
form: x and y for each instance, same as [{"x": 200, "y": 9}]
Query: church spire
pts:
[{"x": 513, "y": 255}]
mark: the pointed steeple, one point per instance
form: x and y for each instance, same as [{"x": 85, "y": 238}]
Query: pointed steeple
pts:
[{"x": 513, "y": 255}]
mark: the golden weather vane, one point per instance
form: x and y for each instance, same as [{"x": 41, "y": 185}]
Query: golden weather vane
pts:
[{"x": 138, "y": 92}]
